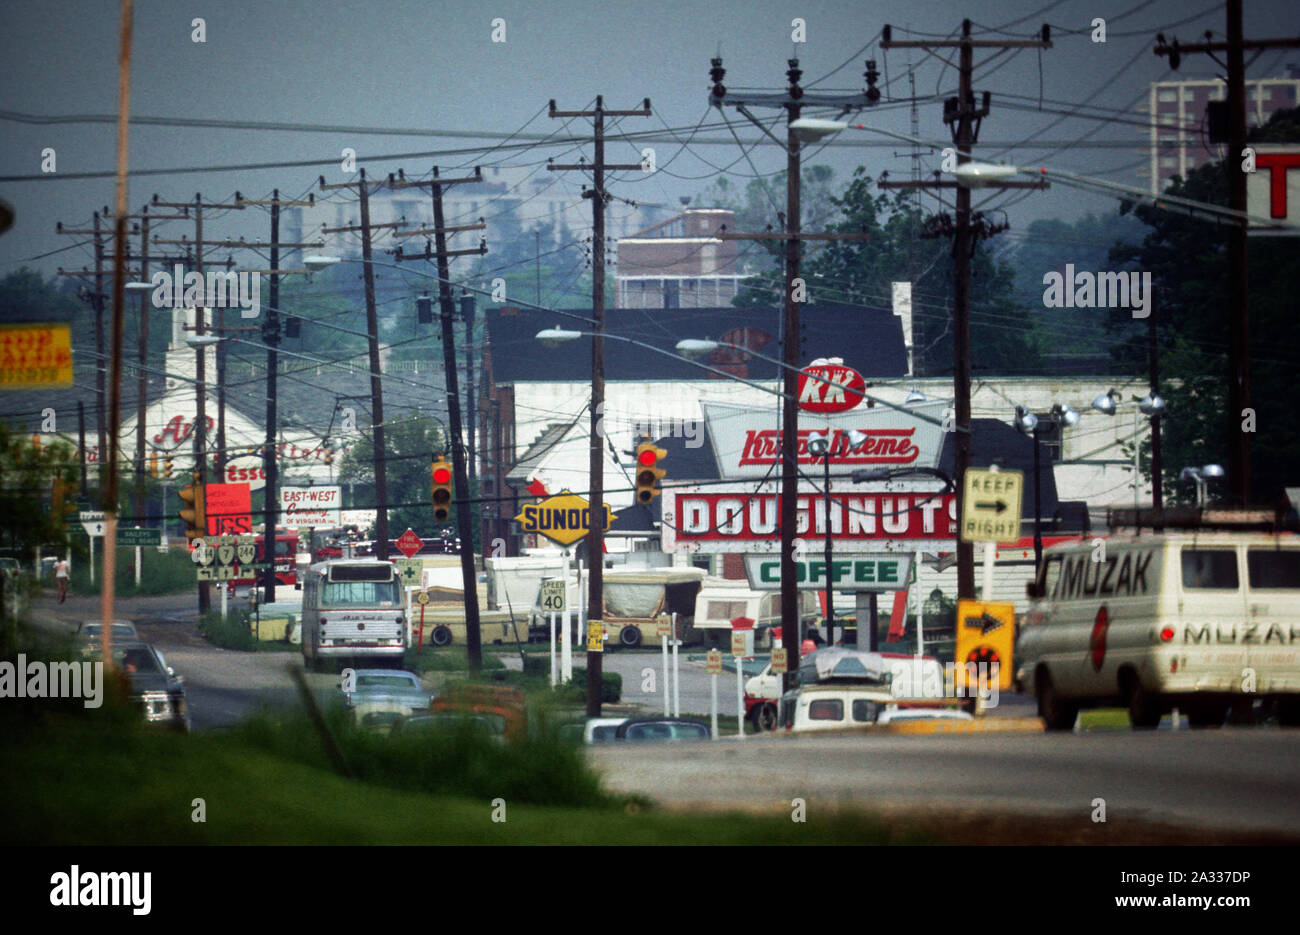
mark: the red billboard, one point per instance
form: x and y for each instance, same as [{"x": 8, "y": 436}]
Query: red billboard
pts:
[{"x": 229, "y": 509}]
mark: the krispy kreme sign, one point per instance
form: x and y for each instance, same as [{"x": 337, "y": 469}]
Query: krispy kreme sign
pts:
[
  {"x": 830, "y": 388},
  {"x": 747, "y": 441},
  {"x": 745, "y": 518}
]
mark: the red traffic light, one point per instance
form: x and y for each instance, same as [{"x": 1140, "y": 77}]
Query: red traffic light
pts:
[
  {"x": 441, "y": 475},
  {"x": 647, "y": 457}
]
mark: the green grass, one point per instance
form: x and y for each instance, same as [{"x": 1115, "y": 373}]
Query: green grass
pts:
[
  {"x": 74, "y": 780},
  {"x": 447, "y": 659},
  {"x": 1104, "y": 719},
  {"x": 170, "y": 572}
]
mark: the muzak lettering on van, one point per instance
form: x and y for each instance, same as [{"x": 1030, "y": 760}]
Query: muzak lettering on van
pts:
[
  {"x": 1126, "y": 575},
  {"x": 1245, "y": 633}
]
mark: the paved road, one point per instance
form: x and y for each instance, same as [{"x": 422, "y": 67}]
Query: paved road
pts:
[{"x": 1233, "y": 779}]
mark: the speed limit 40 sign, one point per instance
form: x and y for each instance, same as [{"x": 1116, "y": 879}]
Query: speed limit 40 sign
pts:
[{"x": 552, "y": 597}]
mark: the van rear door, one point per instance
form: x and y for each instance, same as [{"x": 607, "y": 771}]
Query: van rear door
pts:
[
  {"x": 1212, "y": 611},
  {"x": 1273, "y": 603}
]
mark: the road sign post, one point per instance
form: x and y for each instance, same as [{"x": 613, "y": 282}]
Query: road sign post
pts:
[
  {"x": 985, "y": 637},
  {"x": 554, "y": 605},
  {"x": 421, "y": 598},
  {"x": 408, "y": 543},
  {"x": 742, "y": 647},
  {"x": 664, "y": 626},
  {"x": 991, "y": 505},
  {"x": 713, "y": 665}
]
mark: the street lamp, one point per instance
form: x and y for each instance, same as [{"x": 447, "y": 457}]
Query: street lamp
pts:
[
  {"x": 1029, "y": 424},
  {"x": 1202, "y": 476},
  {"x": 1152, "y": 405},
  {"x": 819, "y": 446}
]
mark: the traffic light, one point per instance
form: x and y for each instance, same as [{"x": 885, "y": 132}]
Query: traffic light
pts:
[
  {"x": 196, "y": 523},
  {"x": 441, "y": 490},
  {"x": 62, "y": 502},
  {"x": 648, "y": 472}
]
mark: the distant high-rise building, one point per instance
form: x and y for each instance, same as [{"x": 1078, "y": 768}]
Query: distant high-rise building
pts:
[
  {"x": 1180, "y": 133},
  {"x": 680, "y": 263}
]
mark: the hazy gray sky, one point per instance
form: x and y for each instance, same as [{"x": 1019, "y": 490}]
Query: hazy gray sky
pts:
[{"x": 418, "y": 64}]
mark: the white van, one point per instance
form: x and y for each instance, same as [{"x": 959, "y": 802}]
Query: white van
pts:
[{"x": 1194, "y": 620}]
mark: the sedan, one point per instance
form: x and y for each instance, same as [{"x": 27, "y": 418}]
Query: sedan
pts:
[
  {"x": 155, "y": 686},
  {"x": 660, "y": 729},
  {"x": 391, "y": 689},
  {"x": 89, "y": 632}
]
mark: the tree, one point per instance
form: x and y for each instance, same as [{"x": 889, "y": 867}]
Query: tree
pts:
[
  {"x": 1004, "y": 338},
  {"x": 1187, "y": 259},
  {"x": 410, "y": 447},
  {"x": 27, "y": 498}
]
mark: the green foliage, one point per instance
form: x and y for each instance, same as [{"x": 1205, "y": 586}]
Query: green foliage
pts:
[
  {"x": 234, "y": 632},
  {"x": 170, "y": 572},
  {"x": 611, "y": 686},
  {"x": 27, "y": 473},
  {"x": 1004, "y": 338},
  {"x": 1187, "y": 259}
]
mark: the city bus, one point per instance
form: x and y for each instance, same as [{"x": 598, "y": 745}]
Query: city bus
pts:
[{"x": 352, "y": 612}]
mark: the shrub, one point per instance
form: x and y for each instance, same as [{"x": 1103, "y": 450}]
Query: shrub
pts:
[{"x": 232, "y": 633}]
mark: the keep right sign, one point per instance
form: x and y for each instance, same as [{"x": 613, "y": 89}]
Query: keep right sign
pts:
[{"x": 990, "y": 510}]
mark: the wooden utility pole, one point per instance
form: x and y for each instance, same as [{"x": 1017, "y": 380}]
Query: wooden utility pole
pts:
[
  {"x": 964, "y": 118},
  {"x": 793, "y": 100},
  {"x": 596, "y": 534},
  {"x": 460, "y": 480},
  {"x": 1238, "y": 287},
  {"x": 271, "y": 338},
  {"x": 364, "y": 189}
]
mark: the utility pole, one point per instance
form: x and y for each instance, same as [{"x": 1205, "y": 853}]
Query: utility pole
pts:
[
  {"x": 793, "y": 100},
  {"x": 596, "y": 532},
  {"x": 467, "y": 310},
  {"x": 200, "y": 373},
  {"x": 1238, "y": 288},
  {"x": 447, "y": 305},
  {"x": 372, "y": 332},
  {"x": 271, "y": 338},
  {"x": 964, "y": 118}
]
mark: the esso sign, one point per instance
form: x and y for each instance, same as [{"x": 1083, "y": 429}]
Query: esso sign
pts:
[
  {"x": 817, "y": 395},
  {"x": 246, "y": 471}
]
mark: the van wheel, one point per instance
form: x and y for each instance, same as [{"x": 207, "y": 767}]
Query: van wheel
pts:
[
  {"x": 630, "y": 637},
  {"x": 1143, "y": 706},
  {"x": 1288, "y": 711},
  {"x": 765, "y": 717},
  {"x": 1056, "y": 712},
  {"x": 441, "y": 636}
]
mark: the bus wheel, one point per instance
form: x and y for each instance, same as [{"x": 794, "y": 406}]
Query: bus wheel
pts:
[
  {"x": 441, "y": 636},
  {"x": 1143, "y": 706},
  {"x": 765, "y": 717},
  {"x": 630, "y": 637},
  {"x": 1056, "y": 712}
]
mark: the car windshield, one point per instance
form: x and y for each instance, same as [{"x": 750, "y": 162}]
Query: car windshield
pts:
[
  {"x": 121, "y": 631},
  {"x": 385, "y": 681},
  {"x": 137, "y": 660},
  {"x": 359, "y": 594}
]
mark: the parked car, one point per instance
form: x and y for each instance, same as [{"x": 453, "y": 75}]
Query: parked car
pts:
[
  {"x": 155, "y": 686},
  {"x": 90, "y": 631},
  {"x": 660, "y": 729},
  {"x": 894, "y": 714},
  {"x": 385, "y": 689}
]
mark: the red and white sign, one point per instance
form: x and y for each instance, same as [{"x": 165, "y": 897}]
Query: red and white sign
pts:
[
  {"x": 228, "y": 508},
  {"x": 747, "y": 441},
  {"x": 902, "y": 518},
  {"x": 247, "y": 470},
  {"x": 1273, "y": 189},
  {"x": 310, "y": 506},
  {"x": 408, "y": 543},
  {"x": 830, "y": 388}
]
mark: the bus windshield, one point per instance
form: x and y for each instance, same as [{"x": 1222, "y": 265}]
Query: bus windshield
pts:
[{"x": 359, "y": 594}]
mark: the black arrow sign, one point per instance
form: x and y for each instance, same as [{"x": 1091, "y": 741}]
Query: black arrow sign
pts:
[
  {"x": 997, "y": 506},
  {"x": 986, "y": 623}
]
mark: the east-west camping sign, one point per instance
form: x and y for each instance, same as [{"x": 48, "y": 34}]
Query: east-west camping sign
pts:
[{"x": 564, "y": 518}]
